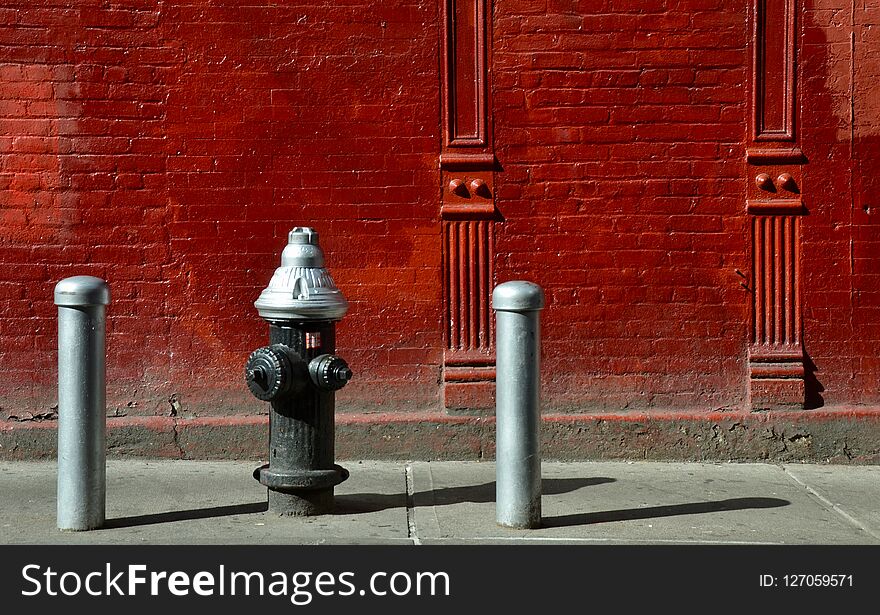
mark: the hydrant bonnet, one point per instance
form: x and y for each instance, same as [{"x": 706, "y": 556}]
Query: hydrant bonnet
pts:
[{"x": 301, "y": 287}]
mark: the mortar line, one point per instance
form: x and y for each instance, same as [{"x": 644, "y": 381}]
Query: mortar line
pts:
[
  {"x": 411, "y": 532},
  {"x": 831, "y": 506}
]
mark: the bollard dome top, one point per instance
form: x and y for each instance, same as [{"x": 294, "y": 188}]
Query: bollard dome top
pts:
[
  {"x": 517, "y": 296},
  {"x": 301, "y": 288},
  {"x": 82, "y": 290}
]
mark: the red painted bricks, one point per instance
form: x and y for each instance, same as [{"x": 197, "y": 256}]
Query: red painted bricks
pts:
[{"x": 170, "y": 149}]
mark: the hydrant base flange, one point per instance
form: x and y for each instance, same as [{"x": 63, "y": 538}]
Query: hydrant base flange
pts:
[{"x": 301, "y": 480}]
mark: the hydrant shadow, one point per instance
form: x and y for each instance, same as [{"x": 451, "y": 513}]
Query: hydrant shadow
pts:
[
  {"x": 477, "y": 494},
  {"x": 655, "y": 512},
  {"x": 186, "y": 515}
]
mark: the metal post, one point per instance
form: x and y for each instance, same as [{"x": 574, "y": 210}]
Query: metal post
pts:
[
  {"x": 517, "y": 412},
  {"x": 81, "y": 402}
]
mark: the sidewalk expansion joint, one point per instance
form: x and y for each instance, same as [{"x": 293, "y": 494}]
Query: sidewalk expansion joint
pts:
[
  {"x": 411, "y": 532},
  {"x": 831, "y": 506}
]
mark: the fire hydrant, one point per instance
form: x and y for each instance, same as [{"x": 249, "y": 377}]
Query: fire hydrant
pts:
[{"x": 298, "y": 373}]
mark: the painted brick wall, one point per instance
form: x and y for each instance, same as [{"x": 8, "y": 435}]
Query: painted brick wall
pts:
[
  {"x": 865, "y": 204},
  {"x": 318, "y": 113},
  {"x": 84, "y": 186},
  {"x": 620, "y": 126},
  {"x": 840, "y": 123},
  {"x": 169, "y": 147}
]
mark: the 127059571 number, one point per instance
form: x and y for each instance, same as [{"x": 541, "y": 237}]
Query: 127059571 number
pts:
[{"x": 817, "y": 580}]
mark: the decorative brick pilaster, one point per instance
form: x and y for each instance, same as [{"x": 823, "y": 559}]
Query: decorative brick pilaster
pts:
[
  {"x": 467, "y": 207},
  {"x": 775, "y": 208}
]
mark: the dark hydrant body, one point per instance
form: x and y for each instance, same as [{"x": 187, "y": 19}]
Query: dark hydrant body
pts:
[{"x": 298, "y": 373}]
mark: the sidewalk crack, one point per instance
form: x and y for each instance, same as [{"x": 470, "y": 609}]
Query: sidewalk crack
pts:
[
  {"x": 831, "y": 506},
  {"x": 411, "y": 532},
  {"x": 175, "y": 434}
]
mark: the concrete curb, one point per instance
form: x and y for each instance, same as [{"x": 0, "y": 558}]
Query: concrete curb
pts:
[{"x": 844, "y": 435}]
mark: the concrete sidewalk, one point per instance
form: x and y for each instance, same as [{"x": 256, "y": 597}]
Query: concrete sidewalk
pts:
[{"x": 204, "y": 502}]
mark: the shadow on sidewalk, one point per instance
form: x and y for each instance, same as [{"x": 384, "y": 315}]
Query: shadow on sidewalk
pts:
[
  {"x": 186, "y": 515},
  {"x": 358, "y": 503},
  {"x": 655, "y": 512},
  {"x": 477, "y": 494}
]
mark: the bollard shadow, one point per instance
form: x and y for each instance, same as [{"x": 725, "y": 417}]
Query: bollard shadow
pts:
[
  {"x": 656, "y": 512},
  {"x": 186, "y": 515},
  {"x": 476, "y": 494}
]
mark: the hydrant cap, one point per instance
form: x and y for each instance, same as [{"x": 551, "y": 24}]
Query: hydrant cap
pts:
[
  {"x": 302, "y": 249},
  {"x": 82, "y": 290},
  {"x": 518, "y": 296},
  {"x": 301, "y": 288}
]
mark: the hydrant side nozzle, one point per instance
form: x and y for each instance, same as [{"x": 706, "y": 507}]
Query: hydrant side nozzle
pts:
[
  {"x": 274, "y": 371},
  {"x": 329, "y": 372}
]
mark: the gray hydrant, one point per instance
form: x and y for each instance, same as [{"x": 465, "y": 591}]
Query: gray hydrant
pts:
[{"x": 298, "y": 373}]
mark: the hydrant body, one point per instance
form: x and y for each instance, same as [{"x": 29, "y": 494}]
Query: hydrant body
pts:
[{"x": 298, "y": 373}]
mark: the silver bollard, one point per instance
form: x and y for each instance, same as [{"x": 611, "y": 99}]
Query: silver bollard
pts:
[
  {"x": 81, "y": 402},
  {"x": 517, "y": 411}
]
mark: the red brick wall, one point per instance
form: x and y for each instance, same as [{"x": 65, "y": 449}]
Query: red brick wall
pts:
[
  {"x": 170, "y": 151},
  {"x": 865, "y": 203},
  {"x": 169, "y": 147},
  {"x": 840, "y": 124},
  {"x": 620, "y": 128}
]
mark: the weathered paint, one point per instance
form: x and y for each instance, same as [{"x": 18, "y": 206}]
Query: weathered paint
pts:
[
  {"x": 838, "y": 436},
  {"x": 169, "y": 149}
]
